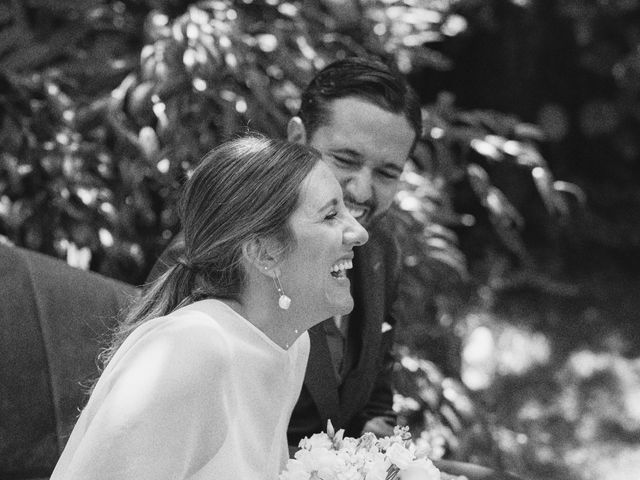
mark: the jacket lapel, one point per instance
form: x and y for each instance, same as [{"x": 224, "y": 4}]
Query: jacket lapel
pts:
[
  {"x": 320, "y": 380},
  {"x": 369, "y": 291}
]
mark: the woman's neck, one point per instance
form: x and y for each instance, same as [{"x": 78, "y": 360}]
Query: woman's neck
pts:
[{"x": 283, "y": 327}]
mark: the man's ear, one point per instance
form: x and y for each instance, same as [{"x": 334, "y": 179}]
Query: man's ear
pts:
[
  {"x": 262, "y": 255},
  {"x": 296, "y": 132}
]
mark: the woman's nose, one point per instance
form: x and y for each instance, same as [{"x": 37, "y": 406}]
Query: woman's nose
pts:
[{"x": 355, "y": 234}]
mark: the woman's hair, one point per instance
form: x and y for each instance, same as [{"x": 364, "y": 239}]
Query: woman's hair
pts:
[{"x": 243, "y": 190}]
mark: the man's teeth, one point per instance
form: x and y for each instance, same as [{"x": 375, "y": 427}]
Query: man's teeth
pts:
[
  {"x": 356, "y": 212},
  {"x": 344, "y": 265}
]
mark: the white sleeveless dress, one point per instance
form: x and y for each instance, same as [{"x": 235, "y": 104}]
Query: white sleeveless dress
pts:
[{"x": 198, "y": 394}]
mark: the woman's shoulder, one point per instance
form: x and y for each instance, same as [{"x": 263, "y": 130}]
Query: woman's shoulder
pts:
[{"x": 187, "y": 335}]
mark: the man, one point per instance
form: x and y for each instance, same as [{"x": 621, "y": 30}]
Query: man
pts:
[{"x": 365, "y": 120}]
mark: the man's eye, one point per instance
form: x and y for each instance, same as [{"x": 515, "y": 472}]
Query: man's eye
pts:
[
  {"x": 390, "y": 174},
  {"x": 331, "y": 216}
]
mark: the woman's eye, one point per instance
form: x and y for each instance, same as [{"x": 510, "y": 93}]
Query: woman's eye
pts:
[{"x": 344, "y": 161}]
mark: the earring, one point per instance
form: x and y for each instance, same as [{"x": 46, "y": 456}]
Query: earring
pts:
[{"x": 284, "y": 302}]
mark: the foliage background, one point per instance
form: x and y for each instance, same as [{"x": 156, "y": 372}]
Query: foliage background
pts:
[{"x": 519, "y": 217}]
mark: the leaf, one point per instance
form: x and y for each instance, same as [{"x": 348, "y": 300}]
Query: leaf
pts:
[
  {"x": 502, "y": 211},
  {"x": 149, "y": 143},
  {"x": 457, "y": 262},
  {"x": 529, "y": 131},
  {"x": 573, "y": 190},
  {"x": 60, "y": 6},
  {"x": 12, "y": 36},
  {"x": 479, "y": 180},
  {"x": 25, "y": 58},
  {"x": 543, "y": 180},
  {"x": 34, "y": 55},
  {"x": 6, "y": 13}
]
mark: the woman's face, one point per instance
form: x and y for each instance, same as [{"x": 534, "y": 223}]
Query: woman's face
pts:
[{"x": 313, "y": 274}]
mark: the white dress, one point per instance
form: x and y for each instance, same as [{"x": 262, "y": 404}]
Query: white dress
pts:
[{"x": 198, "y": 394}]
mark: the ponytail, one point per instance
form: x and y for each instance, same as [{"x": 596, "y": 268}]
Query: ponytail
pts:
[{"x": 169, "y": 291}]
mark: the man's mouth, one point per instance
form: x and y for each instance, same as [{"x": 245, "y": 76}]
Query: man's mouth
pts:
[
  {"x": 339, "y": 269},
  {"x": 357, "y": 211}
]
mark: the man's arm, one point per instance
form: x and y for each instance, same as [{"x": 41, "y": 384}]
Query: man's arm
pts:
[{"x": 378, "y": 416}]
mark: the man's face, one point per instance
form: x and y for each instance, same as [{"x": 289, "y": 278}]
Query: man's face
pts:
[{"x": 366, "y": 148}]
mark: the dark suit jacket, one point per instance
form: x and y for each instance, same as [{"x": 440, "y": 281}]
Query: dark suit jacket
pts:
[
  {"x": 365, "y": 391},
  {"x": 52, "y": 320}
]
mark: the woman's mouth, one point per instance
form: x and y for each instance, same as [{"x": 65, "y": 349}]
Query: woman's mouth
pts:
[{"x": 338, "y": 270}]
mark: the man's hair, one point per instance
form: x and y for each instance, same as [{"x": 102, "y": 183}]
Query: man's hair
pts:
[{"x": 364, "y": 78}]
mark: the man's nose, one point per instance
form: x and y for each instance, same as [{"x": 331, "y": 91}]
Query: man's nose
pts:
[
  {"x": 360, "y": 185},
  {"x": 354, "y": 234}
]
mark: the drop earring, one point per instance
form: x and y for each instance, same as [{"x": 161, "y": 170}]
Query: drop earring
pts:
[{"x": 284, "y": 302}]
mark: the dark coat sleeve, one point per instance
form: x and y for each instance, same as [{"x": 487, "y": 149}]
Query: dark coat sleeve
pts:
[{"x": 54, "y": 320}]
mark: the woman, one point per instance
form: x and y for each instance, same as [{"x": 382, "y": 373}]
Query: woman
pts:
[{"x": 202, "y": 377}]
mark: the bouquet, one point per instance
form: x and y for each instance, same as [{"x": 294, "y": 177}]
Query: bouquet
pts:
[{"x": 332, "y": 456}]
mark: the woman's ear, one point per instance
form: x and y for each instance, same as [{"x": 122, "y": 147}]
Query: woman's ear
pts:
[
  {"x": 296, "y": 131},
  {"x": 262, "y": 255}
]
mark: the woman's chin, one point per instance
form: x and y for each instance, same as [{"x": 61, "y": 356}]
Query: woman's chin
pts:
[{"x": 340, "y": 306}]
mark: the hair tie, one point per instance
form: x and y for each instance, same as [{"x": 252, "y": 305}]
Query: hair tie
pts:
[{"x": 185, "y": 263}]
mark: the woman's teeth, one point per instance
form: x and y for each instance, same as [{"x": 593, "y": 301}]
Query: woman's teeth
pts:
[{"x": 339, "y": 268}]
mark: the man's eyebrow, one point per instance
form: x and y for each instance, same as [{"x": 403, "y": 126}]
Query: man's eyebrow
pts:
[
  {"x": 357, "y": 155},
  {"x": 347, "y": 151}
]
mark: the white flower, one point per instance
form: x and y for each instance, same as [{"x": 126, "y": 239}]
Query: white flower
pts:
[
  {"x": 367, "y": 441},
  {"x": 295, "y": 470},
  {"x": 348, "y": 473},
  {"x": 349, "y": 445},
  {"x": 423, "y": 447},
  {"x": 376, "y": 475},
  {"x": 317, "y": 440},
  {"x": 321, "y": 461},
  {"x": 420, "y": 469},
  {"x": 334, "y": 457},
  {"x": 384, "y": 443},
  {"x": 376, "y": 467},
  {"x": 399, "y": 456}
]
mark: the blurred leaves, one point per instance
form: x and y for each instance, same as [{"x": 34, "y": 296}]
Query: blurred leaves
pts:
[
  {"x": 108, "y": 105},
  {"x": 437, "y": 408},
  {"x": 105, "y": 106}
]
